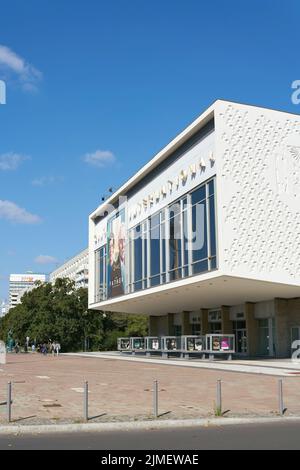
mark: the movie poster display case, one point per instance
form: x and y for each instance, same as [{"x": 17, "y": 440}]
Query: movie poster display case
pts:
[
  {"x": 171, "y": 343},
  {"x": 183, "y": 345},
  {"x": 123, "y": 344},
  {"x": 193, "y": 343},
  {"x": 217, "y": 343},
  {"x": 153, "y": 343},
  {"x": 137, "y": 344}
]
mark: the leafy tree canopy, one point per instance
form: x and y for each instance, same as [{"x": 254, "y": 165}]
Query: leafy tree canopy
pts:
[{"x": 59, "y": 312}]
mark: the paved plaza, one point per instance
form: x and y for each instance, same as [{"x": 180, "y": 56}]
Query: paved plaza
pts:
[{"x": 50, "y": 389}]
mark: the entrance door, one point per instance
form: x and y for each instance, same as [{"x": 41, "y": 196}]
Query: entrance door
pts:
[
  {"x": 240, "y": 331},
  {"x": 215, "y": 328},
  {"x": 265, "y": 337},
  {"x": 241, "y": 341}
]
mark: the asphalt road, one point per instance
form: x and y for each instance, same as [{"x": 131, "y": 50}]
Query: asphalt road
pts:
[{"x": 248, "y": 436}]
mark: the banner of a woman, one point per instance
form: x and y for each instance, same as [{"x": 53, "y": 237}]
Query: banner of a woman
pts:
[{"x": 116, "y": 255}]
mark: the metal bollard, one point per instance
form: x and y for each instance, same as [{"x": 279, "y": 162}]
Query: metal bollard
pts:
[
  {"x": 219, "y": 398},
  {"x": 155, "y": 399},
  {"x": 86, "y": 401},
  {"x": 280, "y": 397},
  {"x": 8, "y": 402}
]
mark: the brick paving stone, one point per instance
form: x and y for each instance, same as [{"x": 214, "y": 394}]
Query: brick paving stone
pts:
[{"x": 42, "y": 390}]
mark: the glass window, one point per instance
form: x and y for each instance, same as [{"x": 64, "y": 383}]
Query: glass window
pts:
[
  {"x": 198, "y": 195},
  {"x": 215, "y": 327},
  {"x": 211, "y": 187},
  {"x": 97, "y": 276},
  {"x": 101, "y": 274},
  {"x": 185, "y": 232},
  {"x": 199, "y": 230},
  {"x": 175, "y": 247},
  {"x": 200, "y": 266},
  {"x": 138, "y": 258},
  {"x": 185, "y": 227},
  {"x": 196, "y": 329},
  {"x": 177, "y": 330},
  {"x": 163, "y": 247},
  {"x": 145, "y": 255},
  {"x": 155, "y": 250}
]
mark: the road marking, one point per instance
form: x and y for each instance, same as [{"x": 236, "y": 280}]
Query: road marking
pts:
[{"x": 42, "y": 377}]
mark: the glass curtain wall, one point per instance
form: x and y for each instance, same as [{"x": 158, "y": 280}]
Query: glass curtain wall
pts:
[{"x": 176, "y": 242}]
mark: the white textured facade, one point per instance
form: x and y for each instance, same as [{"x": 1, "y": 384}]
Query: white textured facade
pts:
[
  {"x": 258, "y": 151},
  {"x": 252, "y": 276},
  {"x": 75, "y": 269}
]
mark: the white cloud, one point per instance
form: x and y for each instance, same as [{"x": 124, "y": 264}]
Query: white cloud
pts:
[
  {"x": 10, "y": 211},
  {"x": 13, "y": 64},
  {"x": 46, "y": 180},
  {"x": 11, "y": 160},
  {"x": 100, "y": 158},
  {"x": 45, "y": 259}
]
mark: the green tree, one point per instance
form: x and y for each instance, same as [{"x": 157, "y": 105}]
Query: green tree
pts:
[{"x": 59, "y": 312}]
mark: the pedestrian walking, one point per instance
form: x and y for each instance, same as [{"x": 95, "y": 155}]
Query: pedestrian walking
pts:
[{"x": 57, "y": 348}]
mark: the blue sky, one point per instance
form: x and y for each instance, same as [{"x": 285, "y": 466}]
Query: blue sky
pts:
[{"x": 96, "y": 88}]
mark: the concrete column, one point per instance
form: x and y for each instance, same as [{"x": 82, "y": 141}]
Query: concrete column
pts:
[
  {"x": 162, "y": 325},
  {"x": 185, "y": 323},
  {"x": 153, "y": 325},
  {"x": 226, "y": 323},
  {"x": 252, "y": 329},
  {"x": 170, "y": 322},
  {"x": 282, "y": 328},
  {"x": 204, "y": 321}
]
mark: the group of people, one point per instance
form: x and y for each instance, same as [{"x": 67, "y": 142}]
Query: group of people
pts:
[{"x": 52, "y": 347}]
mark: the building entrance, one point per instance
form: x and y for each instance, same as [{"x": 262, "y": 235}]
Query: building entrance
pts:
[
  {"x": 240, "y": 332},
  {"x": 266, "y": 336}
]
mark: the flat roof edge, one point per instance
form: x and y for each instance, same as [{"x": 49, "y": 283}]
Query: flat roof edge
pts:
[{"x": 179, "y": 139}]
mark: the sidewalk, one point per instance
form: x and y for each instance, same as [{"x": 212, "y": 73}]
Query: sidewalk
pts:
[{"x": 275, "y": 367}]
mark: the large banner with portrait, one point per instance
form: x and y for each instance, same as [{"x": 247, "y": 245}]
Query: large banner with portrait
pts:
[{"x": 116, "y": 255}]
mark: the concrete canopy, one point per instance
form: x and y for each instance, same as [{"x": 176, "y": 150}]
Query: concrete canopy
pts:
[{"x": 212, "y": 292}]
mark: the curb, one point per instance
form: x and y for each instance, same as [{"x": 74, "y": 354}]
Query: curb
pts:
[
  {"x": 228, "y": 366},
  {"x": 141, "y": 425}
]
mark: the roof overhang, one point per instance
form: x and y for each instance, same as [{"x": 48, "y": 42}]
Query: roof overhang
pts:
[{"x": 212, "y": 292}]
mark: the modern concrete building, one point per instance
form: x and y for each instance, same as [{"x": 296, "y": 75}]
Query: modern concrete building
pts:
[
  {"x": 206, "y": 236},
  {"x": 4, "y": 308},
  {"x": 21, "y": 283},
  {"x": 76, "y": 269}
]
